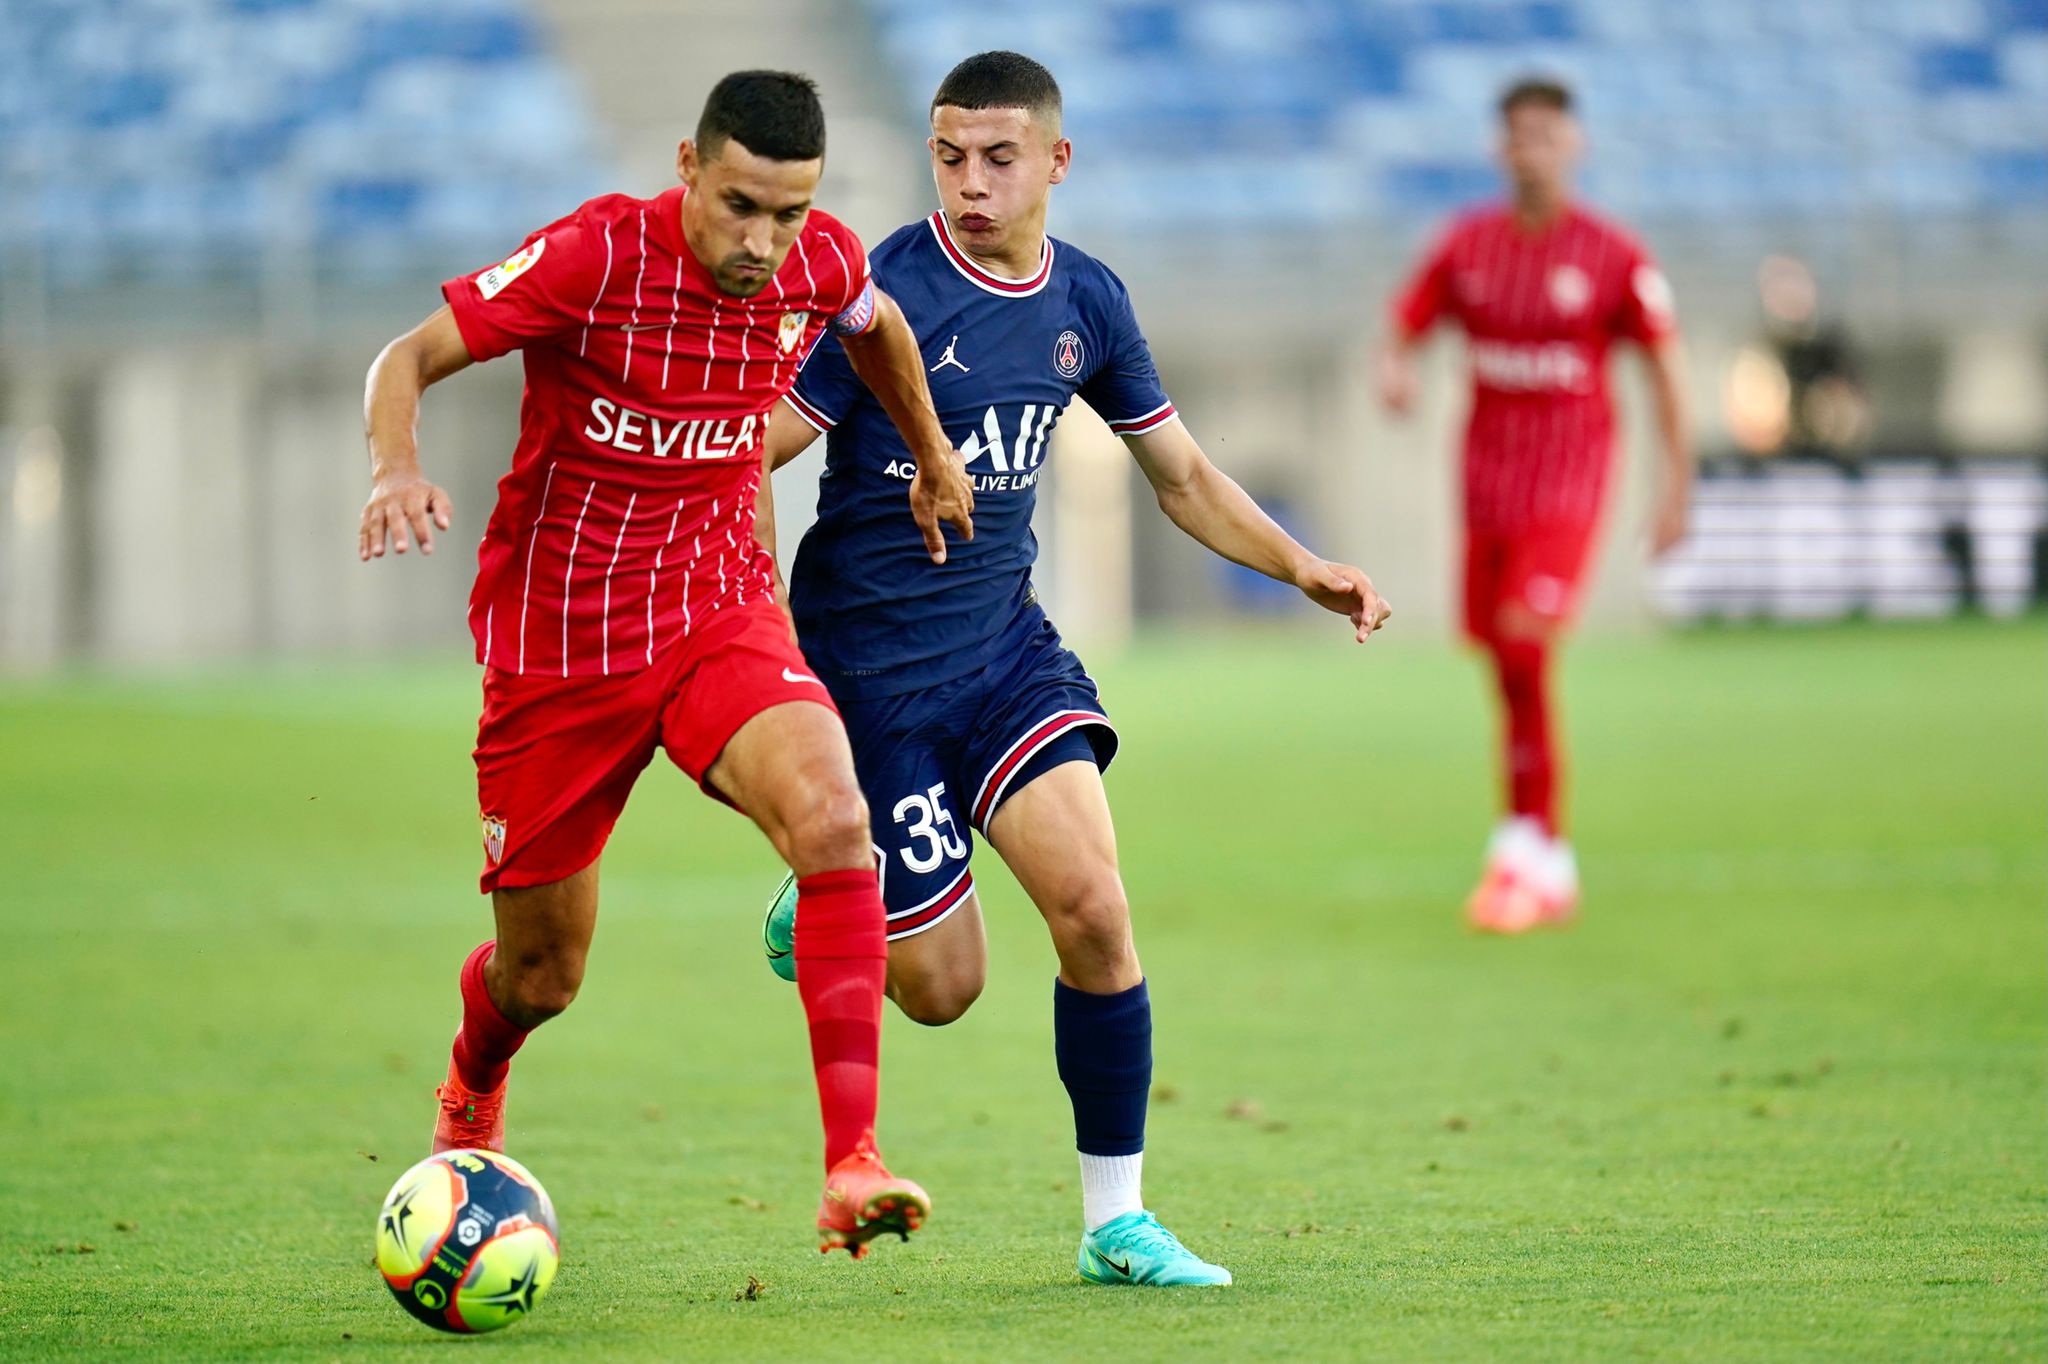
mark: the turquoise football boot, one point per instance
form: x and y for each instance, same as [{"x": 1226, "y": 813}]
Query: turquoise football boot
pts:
[
  {"x": 1134, "y": 1248},
  {"x": 778, "y": 930}
]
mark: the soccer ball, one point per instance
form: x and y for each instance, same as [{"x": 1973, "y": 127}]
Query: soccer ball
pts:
[{"x": 466, "y": 1241}]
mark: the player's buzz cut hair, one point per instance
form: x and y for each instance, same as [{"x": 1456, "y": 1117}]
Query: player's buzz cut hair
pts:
[
  {"x": 1003, "y": 80},
  {"x": 775, "y": 114},
  {"x": 1542, "y": 92}
]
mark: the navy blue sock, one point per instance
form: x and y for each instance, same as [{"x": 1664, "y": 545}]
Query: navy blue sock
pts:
[{"x": 1103, "y": 1044}]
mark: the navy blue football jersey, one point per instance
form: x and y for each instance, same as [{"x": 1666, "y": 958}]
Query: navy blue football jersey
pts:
[{"x": 1003, "y": 357}]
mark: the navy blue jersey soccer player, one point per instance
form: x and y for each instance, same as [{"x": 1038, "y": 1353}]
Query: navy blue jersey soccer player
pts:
[{"x": 965, "y": 710}]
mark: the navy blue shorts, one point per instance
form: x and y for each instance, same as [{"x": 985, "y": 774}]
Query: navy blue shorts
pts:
[{"x": 936, "y": 763}]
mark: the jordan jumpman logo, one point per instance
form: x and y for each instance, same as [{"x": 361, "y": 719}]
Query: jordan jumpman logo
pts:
[{"x": 950, "y": 359}]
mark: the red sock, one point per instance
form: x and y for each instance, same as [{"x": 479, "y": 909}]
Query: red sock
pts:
[
  {"x": 1523, "y": 668},
  {"x": 842, "y": 958},
  {"x": 488, "y": 1040}
]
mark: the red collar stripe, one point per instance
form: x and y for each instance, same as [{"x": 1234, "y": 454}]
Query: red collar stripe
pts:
[{"x": 993, "y": 283}]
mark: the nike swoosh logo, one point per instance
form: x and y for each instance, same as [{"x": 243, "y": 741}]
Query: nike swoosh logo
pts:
[
  {"x": 644, "y": 326},
  {"x": 1123, "y": 1269},
  {"x": 789, "y": 676}
]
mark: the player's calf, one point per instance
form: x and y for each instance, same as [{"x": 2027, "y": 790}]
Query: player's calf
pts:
[{"x": 530, "y": 972}]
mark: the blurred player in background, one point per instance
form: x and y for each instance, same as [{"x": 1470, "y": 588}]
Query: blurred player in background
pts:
[
  {"x": 965, "y": 709},
  {"x": 1541, "y": 288},
  {"x": 622, "y": 604}
]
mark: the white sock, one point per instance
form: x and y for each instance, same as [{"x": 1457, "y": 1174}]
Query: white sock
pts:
[
  {"x": 1559, "y": 870},
  {"x": 1517, "y": 842},
  {"x": 1109, "y": 1187}
]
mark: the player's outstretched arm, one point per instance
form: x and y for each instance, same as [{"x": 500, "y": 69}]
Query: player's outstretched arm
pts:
[
  {"x": 1209, "y": 505},
  {"x": 1674, "y": 434},
  {"x": 400, "y": 496},
  {"x": 886, "y": 358}
]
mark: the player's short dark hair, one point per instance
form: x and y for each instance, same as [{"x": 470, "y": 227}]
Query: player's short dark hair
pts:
[
  {"x": 1542, "y": 92},
  {"x": 775, "y": 114},
  {"x": 1002, "y": 80}
]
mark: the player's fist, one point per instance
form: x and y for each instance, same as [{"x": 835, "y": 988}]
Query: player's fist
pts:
[
  {"x": 1667, "y": 523},
  {"x": 942, "y": 493},
  {"x": 1397, "y": 382},
  {"x": 1347, "y": 591},
  {"x": 400, "y": 503}
]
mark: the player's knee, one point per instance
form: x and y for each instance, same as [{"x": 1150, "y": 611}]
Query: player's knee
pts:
[
  {"x": 937, "y": 1000},
  {"x": 540, "y": 986},
  {"x": 1094, "y": 919},
  {"x": 1518, "y": 623},
  {"x": 828, "y": 830}
]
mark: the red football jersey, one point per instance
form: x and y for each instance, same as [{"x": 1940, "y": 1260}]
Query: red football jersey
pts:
[
  {"x": 628, "y": 513},
  {"x": 1539, "y": 310}
]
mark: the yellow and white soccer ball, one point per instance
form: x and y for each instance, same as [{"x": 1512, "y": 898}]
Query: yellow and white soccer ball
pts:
[{"x": 466, "y": 1241}]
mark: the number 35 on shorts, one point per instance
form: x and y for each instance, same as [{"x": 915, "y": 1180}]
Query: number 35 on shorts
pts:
[{"x": 929, "y": 837}]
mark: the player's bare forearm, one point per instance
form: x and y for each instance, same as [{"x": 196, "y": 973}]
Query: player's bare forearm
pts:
[
  {"x": 888, "y": 361},
  {"x": 1215, "y": 511},
  {"x": 789, "y": 435},
  {"x": 401, "y": 499},
  {"x": 1671, "y": 402},
  {"x": 764, "y": 516}
]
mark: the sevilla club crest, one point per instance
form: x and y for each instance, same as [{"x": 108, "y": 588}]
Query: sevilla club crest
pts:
[
  {"x": 1570, "y": 289},
  {"x": 792, "y": 331},
  {"x": 494, "y": 839},
  {"x": 1067, "y": 354}
]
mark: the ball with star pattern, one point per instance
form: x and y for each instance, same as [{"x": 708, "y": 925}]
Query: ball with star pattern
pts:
[{"x": 466, "y": 1241}]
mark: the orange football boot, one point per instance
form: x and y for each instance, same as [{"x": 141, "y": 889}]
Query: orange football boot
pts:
[
  {"x": 469, "y": 1120},
  {"x": 863, "y": 1201},
  {"x": 1505, "y": 902},
  {"x": 1509, "y": 902}
]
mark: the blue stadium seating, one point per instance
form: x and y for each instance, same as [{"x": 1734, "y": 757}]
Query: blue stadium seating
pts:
[
  {"x": 173, "y": 138},
  {"x": 1702, "y": 112},
  {"x": 168, "y": 140}
]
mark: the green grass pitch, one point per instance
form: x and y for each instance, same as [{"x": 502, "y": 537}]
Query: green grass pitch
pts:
[{"x": 1780, "y": 1094}]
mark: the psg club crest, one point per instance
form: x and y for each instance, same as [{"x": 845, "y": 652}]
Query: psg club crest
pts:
[
  {"x": 791, "y": 331},
  {"x": 494, "y": 839},
  {"x": 1067, "y": 354}
]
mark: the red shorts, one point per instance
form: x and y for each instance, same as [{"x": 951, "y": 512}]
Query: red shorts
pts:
[
  {"x": 557, "y": 756},
  {"x": 1540, "y": 570}
]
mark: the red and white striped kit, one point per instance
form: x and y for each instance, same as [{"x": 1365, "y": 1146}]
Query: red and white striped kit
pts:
[{"x": 628, "y": 513}]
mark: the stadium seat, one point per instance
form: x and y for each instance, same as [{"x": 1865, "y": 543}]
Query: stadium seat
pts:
[
  {"x": 1394, "y": 93},
  {"x": 168, "y": 149}
]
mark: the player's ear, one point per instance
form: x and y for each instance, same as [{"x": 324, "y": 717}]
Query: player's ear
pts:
[
  {"x": 1062, "y": 157},
  {"x": 686, "y": 162}
]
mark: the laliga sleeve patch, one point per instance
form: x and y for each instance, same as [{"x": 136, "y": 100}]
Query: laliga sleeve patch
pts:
[
  {"x": 859, "y": 314},
  {"x": 1652, "y": 290},
  {"x": 492, "y": 282}
]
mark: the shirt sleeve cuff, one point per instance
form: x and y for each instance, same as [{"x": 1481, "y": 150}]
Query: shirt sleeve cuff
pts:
[
  {"x": 810, "y": 412},
  {"x": 482, "y": 339}
]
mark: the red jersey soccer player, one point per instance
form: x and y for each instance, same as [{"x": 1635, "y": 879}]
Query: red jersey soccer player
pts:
[
  {"x": 622, "y": 603},
  {"x": 1541, "y": 288}
]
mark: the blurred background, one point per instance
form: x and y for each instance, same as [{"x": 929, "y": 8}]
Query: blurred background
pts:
[{"x": 213, "y": 213}]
